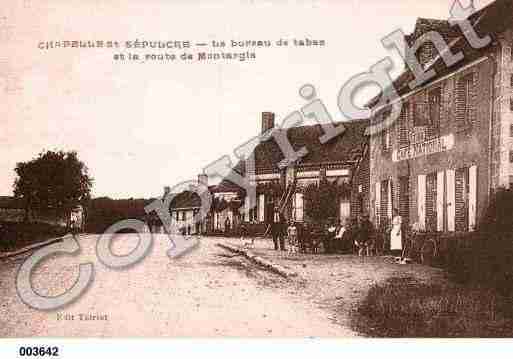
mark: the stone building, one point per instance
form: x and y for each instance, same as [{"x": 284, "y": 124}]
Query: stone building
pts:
[{"x": 452, "y": 144}]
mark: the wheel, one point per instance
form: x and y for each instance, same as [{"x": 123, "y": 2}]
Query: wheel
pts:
[{"x": 428, "y": 252}]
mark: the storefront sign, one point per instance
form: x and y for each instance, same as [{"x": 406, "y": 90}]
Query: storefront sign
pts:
[{"x": 436, "y": 145}]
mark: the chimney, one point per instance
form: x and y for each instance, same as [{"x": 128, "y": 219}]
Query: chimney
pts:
[
  {"x": 167, "y": 189},
  {"x": 267, "y": 121},
  {"x": 203, "y": 179}
]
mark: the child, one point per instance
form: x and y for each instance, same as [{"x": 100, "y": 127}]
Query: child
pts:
[
  {"x": 244, "y": 234},
  {"x": 364, "y": 233},
  {"x": 292, "y": 237}
]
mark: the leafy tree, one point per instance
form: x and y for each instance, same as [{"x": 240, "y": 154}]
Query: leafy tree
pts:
[
  {"x": 53, "y": 180},
  {"x": 321, "y": 200}
]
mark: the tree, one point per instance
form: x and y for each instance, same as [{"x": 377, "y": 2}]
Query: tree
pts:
[
  {"x": 321, "y": 199},
  {"x": 53, "y": 180}
]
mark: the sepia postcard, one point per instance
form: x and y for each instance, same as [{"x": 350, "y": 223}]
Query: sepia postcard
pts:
[{"x": 255, "y": 169}]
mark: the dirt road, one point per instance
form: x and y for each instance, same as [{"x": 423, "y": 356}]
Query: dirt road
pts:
[{"x": 207, "y": 293}]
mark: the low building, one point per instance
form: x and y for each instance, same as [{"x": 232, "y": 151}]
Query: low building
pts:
[
  {"x": 184, "y": 207},
  {"x": 342, "y": 162}
]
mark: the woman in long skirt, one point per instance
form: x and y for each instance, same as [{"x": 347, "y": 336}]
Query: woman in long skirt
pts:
[{"x": 396, "y": 236}]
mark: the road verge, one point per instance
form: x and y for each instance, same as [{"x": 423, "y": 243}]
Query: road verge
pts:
[
  {"x": 276, "y": 268},
  {"x": 5, "y": 255}
]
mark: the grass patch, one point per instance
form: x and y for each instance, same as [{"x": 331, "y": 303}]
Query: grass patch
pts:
[
  {"x": 14, "y": 236},
  {"x": 404, "y": 307}
]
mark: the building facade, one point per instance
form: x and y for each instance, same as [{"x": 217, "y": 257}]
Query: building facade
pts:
[
  {"x": 452, "y": 144},
  {"x": 343, "y": 162}
]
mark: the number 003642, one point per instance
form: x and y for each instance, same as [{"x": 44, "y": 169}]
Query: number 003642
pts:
[{"x": 39, "y": 351}]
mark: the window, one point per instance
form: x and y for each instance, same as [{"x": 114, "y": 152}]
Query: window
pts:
[
  {"x": 177, "y": 213},
  {"x": 511, "y": 81},
  {"x": 183, "y": 216},
  {"x": 511, "y": 156},
  {"x": 510, "y": 130},
  {"x": 511, "y": 104}
]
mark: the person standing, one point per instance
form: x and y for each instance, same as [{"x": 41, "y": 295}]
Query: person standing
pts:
[
  {"x": 227, "y": 226},
  {"x": 277, "y": 231},
  {"x": 342, "y": 244},
  {"x": 292, "y": 237},
  {"x": 396, "y": 243},
  {"x": 329, "y": 237}
]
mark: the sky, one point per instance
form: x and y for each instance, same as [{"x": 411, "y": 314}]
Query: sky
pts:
[{"x": 142, "y": 126}]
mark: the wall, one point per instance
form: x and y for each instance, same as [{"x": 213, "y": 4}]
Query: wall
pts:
[
  {"x": 504, "y": 143},
  {"x": 470, "y": 143}
]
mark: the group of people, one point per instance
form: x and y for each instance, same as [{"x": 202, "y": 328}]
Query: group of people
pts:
[{"x": 347, "y": 236}]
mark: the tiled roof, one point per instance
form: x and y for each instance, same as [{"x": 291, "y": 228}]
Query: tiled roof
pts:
[
  {"x": 491, "y": 20},
  {"x": 423, "y": 26},
  {"x": 224, "y": 186},
  {"x": 186, "y": 199},
  {"x": 344, "y": 148},
  {"x": 347, "y": 147}
]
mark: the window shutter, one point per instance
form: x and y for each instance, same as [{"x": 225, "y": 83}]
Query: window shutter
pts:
[
  {"x": 247, "y": 210},
  {"x": 465, "y": 101},
  {"x": 450, "y": 176},
  {"x": 431, "y": 204},
  {"x": 261, "y": 208},
  {"x": 440, "y": 196},
  {"x": 389, "y": 201},
  {"x": 377, "y": 204},
  {"x": 403, "y": 125},
  {"x": 421, "y": 200},
  {"x": 472, "y": 207}
]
